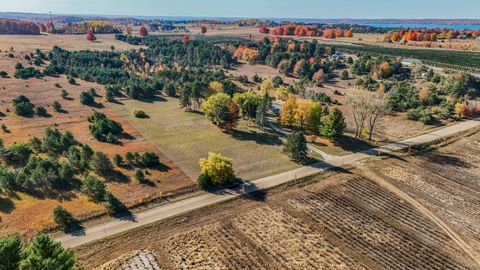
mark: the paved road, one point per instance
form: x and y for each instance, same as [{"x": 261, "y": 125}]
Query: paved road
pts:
[{"x": 165, "y": 211}]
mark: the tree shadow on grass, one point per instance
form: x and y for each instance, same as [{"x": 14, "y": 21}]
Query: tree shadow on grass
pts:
[
  {"x": 152, "y": 99},
  {"x": 257, "y": 137},
  {"x": 6, "y": 205},
  {"x": 117, "y": 176},
  {"x": 352, "y": 144}
]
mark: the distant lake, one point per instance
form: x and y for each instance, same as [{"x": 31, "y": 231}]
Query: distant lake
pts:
[{"x": 429, "y": 26}]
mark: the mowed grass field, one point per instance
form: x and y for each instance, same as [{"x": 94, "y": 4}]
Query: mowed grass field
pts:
[{"x": 185, "y": 137}]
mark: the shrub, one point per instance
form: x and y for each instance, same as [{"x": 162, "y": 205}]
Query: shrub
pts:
[
  {"x": 139, "y": 176},
  {"x": 64, "y": 94},
  {"x": 63, "y": 217},
  {"x": 139, "y": 114},
  {"x": 3, "y": 74},
  {"x": 420, "y": 114},
  {"x": 57, "y": 106},
  {"x": 277, "y": 81},
  {"x": 23, "y": 106},
  {"x": 113, "y": 205},
  {"x": 72, "y": 81},
  {"x": 86, "y": 98},
  {"x": 41, "y": 111},
  {"x": 118, "y": 160}
]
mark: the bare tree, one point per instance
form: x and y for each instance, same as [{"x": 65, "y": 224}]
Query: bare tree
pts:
[
  {"x": 358, "y": 100},
  {"x": 367, "y": 107},
  {"x": 378, "y": 108}
]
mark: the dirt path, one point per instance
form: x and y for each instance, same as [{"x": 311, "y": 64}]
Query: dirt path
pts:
[{"x": 422, "y": 209}]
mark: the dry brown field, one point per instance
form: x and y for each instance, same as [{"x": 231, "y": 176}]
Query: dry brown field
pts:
[
  {"x": 338, "y": 220},
  {"x": 29, "y": 43},
  {"x": 28, "y": 214}
]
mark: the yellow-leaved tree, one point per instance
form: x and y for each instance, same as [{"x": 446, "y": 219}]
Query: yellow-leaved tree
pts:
[
  {"x": 302, "y": 113},
  {"x": 215, "y": 170},
  {"x": 287, "y": 113}
]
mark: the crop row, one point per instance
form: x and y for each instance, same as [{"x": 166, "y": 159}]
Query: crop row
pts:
[
  {"x": 467, "y": 61},
  {"x": 389, "y": 247}
]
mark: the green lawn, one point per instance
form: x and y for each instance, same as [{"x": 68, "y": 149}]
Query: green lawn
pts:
[{"x": 186, "y": 137}]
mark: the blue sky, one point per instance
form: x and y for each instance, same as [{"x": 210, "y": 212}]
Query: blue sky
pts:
[{"x": 411, "y": 9}]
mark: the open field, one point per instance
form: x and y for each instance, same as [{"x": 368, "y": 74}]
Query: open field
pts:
[
  {"x": 446, "y": 181},
  {"x": 25, "y": 43},
  {"x": 339, "y": 220},
  {"x": 27, "y": 213},
  {"x": 186, "y": 137}
]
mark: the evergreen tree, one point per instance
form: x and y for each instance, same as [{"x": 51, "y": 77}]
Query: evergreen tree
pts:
[
  {"x": 10, "y": 252},
  {"x": 101, "y": 164},
  {"x": 93, "y": 188},
  {"x": 63, "y": 217},
  {"x": 296, "y": 147},
  {"x": 334, "y": 125},
  {"x": 44, "y": 253},
  {"x": 261, "y": 114}
]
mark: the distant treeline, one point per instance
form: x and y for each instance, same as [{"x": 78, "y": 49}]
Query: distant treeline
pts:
[{"x": 17, "y": 27}]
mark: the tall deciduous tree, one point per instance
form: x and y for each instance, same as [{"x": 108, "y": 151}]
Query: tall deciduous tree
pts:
[{"x": 287, "y": 113}]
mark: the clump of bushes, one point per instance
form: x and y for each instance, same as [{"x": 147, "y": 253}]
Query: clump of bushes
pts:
[
  {"x": 420, "y": 114},
  {"x": 27, "y": 73},
  {"x": 23, "y": 106},
  {"x": 140, "y": 114},
  {"x": 104, "y": 129},
  {"x": 86, "y": 98}
]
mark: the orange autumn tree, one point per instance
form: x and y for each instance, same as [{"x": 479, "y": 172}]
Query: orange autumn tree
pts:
[
  {"x": 185, "y": 39},
  {"x": 246, "y": 53}
]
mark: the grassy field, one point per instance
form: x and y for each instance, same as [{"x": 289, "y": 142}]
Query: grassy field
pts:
[{"x": 187, "y": 137}]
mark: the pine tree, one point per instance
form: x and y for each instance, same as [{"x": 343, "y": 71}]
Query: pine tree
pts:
[
  {"x": 63, "y": 217},
  {"x": 44, "y": 253},
  {"x": 296, "y": 147},
  {"x": 334, "y": 125},
  {"x": 10, "y": 252},
  {"x": 261, "y": 114}
]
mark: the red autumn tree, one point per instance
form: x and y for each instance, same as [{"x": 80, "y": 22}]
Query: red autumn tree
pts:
[
  {"x": 143, "y": 31},
  {"x": 264, "y": 30},
  {"x": 185, "y": 39},
  {"x": 203, "y": 30},
  {"x": 91, "y": 36}
]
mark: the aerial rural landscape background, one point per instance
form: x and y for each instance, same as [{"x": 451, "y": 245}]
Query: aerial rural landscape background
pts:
[{"x": 239, "y": 135}]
